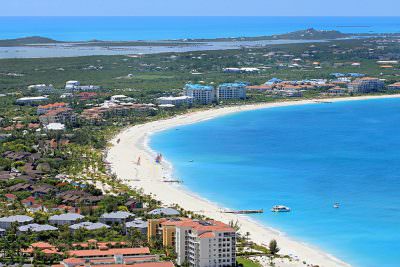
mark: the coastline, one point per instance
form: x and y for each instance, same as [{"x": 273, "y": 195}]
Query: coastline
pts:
[{"x": 134, "y": 142}]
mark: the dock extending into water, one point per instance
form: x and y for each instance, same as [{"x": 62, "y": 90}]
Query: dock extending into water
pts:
[{"x": 243, "y": 211}]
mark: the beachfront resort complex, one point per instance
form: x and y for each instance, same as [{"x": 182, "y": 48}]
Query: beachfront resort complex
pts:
[{"x": 103, "y": 153}]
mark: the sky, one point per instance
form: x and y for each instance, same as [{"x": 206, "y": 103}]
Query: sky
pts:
[{"x": 199, "y": 7}]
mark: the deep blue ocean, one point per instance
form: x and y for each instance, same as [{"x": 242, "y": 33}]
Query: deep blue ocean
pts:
[
  {"x": 157, "y": 28},
  {"x": 306, "y": 157}
]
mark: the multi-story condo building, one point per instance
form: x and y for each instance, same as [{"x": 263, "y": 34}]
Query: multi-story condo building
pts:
[
  {"x": 43, "y": 109},
  {"x": 231, "y": 91},
  {"x": 205, "y": 244},
  {"x": 60, "y": 115},
  {"x": 202, "y": 94},
  {"x": 366, "y": 85},
  {"x": 198, "y": 243},
  {"x": 164, "y": 228}
]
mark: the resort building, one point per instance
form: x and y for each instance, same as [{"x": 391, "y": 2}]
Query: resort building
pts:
[
  {"x": 227, "y": 91},
  {"x": 164, "y": 212},
  {"x": 202, "y": 94},
  {"x": 336, "y": 91},
  {"x": 106, "y": 252},
  {"x": 137, "y": 224},
  {"x": 394, "y": 86},
  {"x": 66, "y": 218},
  {"x": 88, "y": 226},
  {"x": 75, "y": 86},
  {"x": 205, "y": 243},
  {"x": 118, "y": 98},
  {"x": 366, "y": 85},
  {"x": 31, "y": 100},
  {"x": 60, "y": 115},
  {"x": 36, "y": 228},
  {"x": 176, "y": 101},
  {"x": 163, "y": 228},
  {"x": 5, "y": 222},
  {"x": 43, "y": 109},
  {"x": 42, "y": 88},
  {"x": 117, "y": 217}
]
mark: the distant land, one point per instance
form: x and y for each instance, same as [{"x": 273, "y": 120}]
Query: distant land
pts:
[{"x": 308, "y": 34}]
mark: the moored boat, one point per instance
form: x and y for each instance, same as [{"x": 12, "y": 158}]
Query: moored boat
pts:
[{"x": 280, "y": 208}]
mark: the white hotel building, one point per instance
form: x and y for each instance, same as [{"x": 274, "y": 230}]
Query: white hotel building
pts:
[
  {"x": 202, "y": 94},
  {"x": 176, "y": 101},
  {"x": 205, "y": 244},
  {"x": 227, "y": 91}
]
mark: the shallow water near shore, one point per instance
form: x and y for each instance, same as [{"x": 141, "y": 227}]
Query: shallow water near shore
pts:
[{"x": 306, "y": 157}]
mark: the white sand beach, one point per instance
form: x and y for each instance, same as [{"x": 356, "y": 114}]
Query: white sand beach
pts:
[{"x": 149, "y": 176}]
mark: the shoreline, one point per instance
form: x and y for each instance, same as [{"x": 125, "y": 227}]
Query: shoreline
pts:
[{"x": 149, "y": 176}]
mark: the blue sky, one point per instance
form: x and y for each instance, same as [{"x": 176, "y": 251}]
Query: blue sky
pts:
[{"x": 200, "y": 7}]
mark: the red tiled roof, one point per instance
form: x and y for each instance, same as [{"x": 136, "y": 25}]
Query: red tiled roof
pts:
[
  {"x": 54, "y": 105},
  {"x": 207, "y": 235},
  {"x": 10, "y": 196},
  {"x": 109, "y": 252},
  {"x": 74, "y": 261},
  {"x": 42, "y": 245}
]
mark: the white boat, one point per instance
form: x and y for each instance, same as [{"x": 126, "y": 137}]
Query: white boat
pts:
[
  {"x": 280, "y": 208},
  {"x": 336, "y": 205}
]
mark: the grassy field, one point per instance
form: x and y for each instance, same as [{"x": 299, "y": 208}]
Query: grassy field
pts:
[{"x": 247, "y": 262}]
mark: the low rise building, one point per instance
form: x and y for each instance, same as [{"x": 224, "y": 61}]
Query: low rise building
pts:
[
  {"x": 75, "y": 86},
  {"x": 66, "y": 218},
  {"x": 175, "y": 100},
  {"x": 164, "y": 212},
  {"x": 201, "y": 94},
  {"x": 31, "y": 100},
  {"x": 98, "y": 253},
  {"x": 117, "y": 217},
  {"x": 36, "y": 228},
  {"x": 137, "y": 224},
  {"x": 394, "y": 86},
  {"x": 6, "y": 222},
  {"x": 42, "y": 88},
  {"x": 88, "y": 226}
]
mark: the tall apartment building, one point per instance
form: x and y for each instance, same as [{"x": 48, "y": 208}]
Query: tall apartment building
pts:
[
  {"x": 202, "y": 94},
  {"x": 205, "y": 244},
  {"x": 366, "y": 85},
  {"x": 165, "y": 229},
  {"x": 227, "y": 91},
  {"x": 199, "y": 243}
]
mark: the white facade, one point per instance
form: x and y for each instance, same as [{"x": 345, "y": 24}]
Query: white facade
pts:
[
  {"x": 76, "y": 86},
  {"x": 231, "y": 91},
  {"x": 201, "y": 94},
  {"x": 176, "y": 101},
  {"x": 366, "y": 85},
  {"x": 205, "y": 244},
  {"x": 42, "y": 88},
  {"x": 30, "y": 100}
]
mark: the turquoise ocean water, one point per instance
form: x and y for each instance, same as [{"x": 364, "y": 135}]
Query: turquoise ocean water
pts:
[
  {"x": 306, "y": 157},
  {"x": 157, "y": 28}
]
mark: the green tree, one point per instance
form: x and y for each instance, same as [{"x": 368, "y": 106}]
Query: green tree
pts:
[{"x": 273, "y": 247}]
